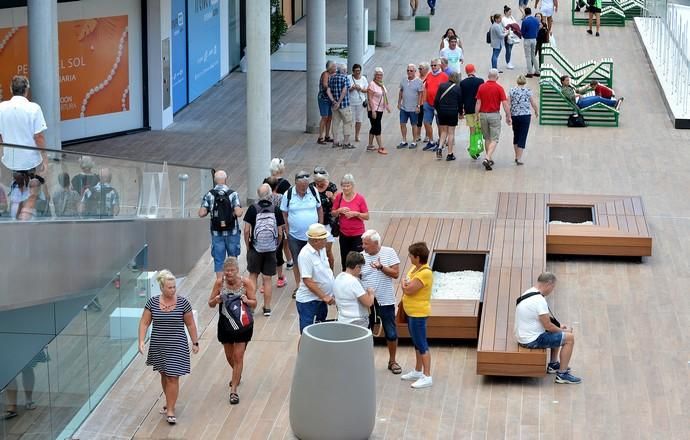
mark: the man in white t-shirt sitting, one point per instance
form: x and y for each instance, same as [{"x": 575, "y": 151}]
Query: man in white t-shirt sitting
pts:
[
  {"x": 534, "y": 328},
  {"x": 382, "y": 266},
  {"x": 352, "y": 300}
]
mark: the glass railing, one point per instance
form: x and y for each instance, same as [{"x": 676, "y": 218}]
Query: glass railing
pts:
[
  {"x": 74, "y": 186},
  {"x": 68, "y": 355}
]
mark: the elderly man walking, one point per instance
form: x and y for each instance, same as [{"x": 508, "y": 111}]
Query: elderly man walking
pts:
[
  {"x": 22, "y": 123},
  {"x": 301, "y": 207},
  {"x": 223, "y": 204},
  {"x": 381, "y": 267},
  {"x": 490, "y": 98},
  {"x": 431, "y": 84},
  {"x": 410, "y": 101},
  {"x": 339, "y": 93}
]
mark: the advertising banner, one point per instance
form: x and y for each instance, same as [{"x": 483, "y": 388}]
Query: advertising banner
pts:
[
  {"x": 203, "y": 21},
  {"x": 93, "y": 62}
]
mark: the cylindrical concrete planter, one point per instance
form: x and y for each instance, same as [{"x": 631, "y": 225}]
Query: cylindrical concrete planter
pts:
[{"x": 333, "y": 394}]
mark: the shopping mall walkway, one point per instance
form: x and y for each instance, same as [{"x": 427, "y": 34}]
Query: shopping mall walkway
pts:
[{"x": 631, "y": 320}]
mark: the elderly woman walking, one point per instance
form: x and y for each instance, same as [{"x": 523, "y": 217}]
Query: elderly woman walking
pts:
[
  {"x": 234, "y": 296},
  {"x": 351, "y": 209},
  {"x": 521, "y": 99},
  {"x": 416, "y": 303},
  {"x": 448, "y": 105},
  {"x": 377, "y": 96},
  {"x": 168, "y": 349}
]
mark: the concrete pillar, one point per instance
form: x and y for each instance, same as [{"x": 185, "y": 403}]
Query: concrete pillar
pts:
[
  {"x": 44, "y": 71},
  {"x": 258, "y": 94},
  {"x": 355, "y": 30},
  {"x": 316, "y": 59},
  {"x": 383, "y": 23},
  {"x": 404, "y": 10}
]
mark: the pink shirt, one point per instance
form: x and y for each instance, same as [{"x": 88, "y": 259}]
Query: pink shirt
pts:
[
  {"x": 377, "y": 103},
  {"x": 351, "y": 227}
]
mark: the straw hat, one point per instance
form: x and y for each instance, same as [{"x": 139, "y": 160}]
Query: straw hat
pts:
[{"x": 317, "y": 231}]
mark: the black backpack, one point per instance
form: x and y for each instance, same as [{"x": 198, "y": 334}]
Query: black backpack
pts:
[
  {"x": 96, "y": 204},
  {"x": 222, "y": 212}
]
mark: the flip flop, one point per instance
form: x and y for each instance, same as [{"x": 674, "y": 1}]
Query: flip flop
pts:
[
  {"x": 234, "y": 399},
  {"x": 163, "y": 411},
  {"x": 9, "y": 415},
  {"x": 171, "y": 420}
]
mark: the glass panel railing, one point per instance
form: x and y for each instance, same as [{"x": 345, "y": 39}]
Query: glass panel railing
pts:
[
  {"x": 74, "y": 186},
  {"x": 59, "y": 360}
]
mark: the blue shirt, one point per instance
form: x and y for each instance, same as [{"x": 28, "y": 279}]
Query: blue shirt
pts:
[
  {"x": 339, "y": 84},
  {"x": 302, "y": 212},
  {"x": 529, "y": 28}
]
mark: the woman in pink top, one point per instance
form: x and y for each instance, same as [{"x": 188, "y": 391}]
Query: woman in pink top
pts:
[
  {"x": 378, "y": 102},
  {"x": 351, "y": 209}
]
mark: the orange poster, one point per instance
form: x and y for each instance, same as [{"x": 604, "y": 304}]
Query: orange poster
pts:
[{"x": 93, "y": 63}]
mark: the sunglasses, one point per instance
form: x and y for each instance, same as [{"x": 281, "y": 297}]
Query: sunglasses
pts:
[
  {"x": 302, "y": 176},
  {"x": 410, "y": 70},
  {"x": 434, "y": 65},
  {"x": 320, "y": 171}
]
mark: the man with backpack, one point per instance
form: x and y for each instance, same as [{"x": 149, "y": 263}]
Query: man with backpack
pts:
[
  {"x": 223, "y": 204},
  {"x": 101, "y": 200},
  {"x": 263, "y": 232}
]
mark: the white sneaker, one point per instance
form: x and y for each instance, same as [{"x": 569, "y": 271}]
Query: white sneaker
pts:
[
  {"x": 423, "y": 382},
  {"x": 510, "y": 66},
  {"x": 413, "y": 375}
]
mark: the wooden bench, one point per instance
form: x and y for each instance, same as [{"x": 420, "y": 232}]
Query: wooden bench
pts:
[
  {"x": 619, "y": 227},
  {"x": 555, "y": 108}
]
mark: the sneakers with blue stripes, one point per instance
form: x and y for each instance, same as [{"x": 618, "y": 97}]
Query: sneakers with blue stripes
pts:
[
  {"x": 553, "y": 368},
  {"x": 566, "y": 377}
]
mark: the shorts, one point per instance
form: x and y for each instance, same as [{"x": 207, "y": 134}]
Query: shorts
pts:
[
  {"x": 428, "y": 113},
  {"x": 325, "y": 108},
  {"x": 491, "y": 126},
  {"x": 417, "y": 329},
  {"x": 448, "y": 119},
  {"x": 223, "y": 246},
  {"x": 264, "y": 263},
  {"x": 523, "y": 2},
  {"x": 547, "y": 340},
  {"x": 358, "y": 112},
  {"x": 471, "y": 120},
  {"x": 311, "y": 312},
  {"x": 594, "y": 10},
  {"x": 295, "y": 246},
  {"x": 546, "y": 11},
  {"x": 408, "y": 116},
  {"x": 386, "y": 314},
  {"x": 244, "y": 336}
]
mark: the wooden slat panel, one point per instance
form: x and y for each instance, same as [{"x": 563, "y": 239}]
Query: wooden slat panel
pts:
[
  {"x": 512, "y": 206},
  {"x": 642, "y": 226},
  {"x": 638, "y": 206},
  {"x": 540, "y": 207},
  {"x": 474, "y": 234},
  {"x": 520, "y": 210},
  {"x": 443, "y": 235},
  {"x": 613, "y": 251},
  {"x": 530, "y": 206},
  {"x": 628, "y": 205},
  {"x": 632, "y": 224},
  {"x": 485, "y": 234},
  {"x": 487, "y": 369},
  {"x": 391, "y": 230},
  {"x": 531, "y": 357},
  {"x": 463, "y": 239},
  {"x": 502, "y": 206}
]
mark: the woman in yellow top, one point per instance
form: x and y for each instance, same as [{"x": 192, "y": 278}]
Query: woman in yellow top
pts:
[{"x": 417, "y": 305}]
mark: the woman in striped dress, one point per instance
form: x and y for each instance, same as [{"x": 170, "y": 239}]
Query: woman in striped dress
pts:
[
  {"x": 234, "y": 340},
  {"x": 168, "y": 348}
]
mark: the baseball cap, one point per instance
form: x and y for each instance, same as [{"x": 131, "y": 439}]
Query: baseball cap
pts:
[{"x": 469, "y": 69}]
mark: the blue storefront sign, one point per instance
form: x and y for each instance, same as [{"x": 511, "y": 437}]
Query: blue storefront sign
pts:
[
  {"x": 179, "y": 54},
  {"x": 203, "y": 42}
]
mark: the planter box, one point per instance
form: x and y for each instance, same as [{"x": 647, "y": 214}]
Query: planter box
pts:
[{"x": 571, "y": 214}]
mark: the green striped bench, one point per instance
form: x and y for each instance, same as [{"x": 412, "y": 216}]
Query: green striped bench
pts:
[
  {"x": 611, "y": 15},
  {"x": 555, "y": 108}
]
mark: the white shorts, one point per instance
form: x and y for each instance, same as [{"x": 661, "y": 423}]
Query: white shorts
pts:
[
  {"x": 358, "y": 112},
  {"x": 330, "y": 238},
  {"x": 547, "y": 11}
]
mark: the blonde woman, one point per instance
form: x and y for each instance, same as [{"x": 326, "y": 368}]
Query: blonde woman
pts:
[
  {"x": 378, "y": 102},
  {"x": 277, "y": 169},
  {"x": 280, "y": 186},
  {"x": 520, "y": 99},
  {"x": 232, "y": 334},
  {"x": 168, "y": 348}
]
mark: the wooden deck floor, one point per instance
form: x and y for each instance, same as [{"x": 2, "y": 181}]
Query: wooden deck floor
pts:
[{"x": 630, "y": 320}]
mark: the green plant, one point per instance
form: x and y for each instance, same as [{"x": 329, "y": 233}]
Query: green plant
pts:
[
  {"x": 278, "y": 24},
  {"x": 337, "y": 51}
]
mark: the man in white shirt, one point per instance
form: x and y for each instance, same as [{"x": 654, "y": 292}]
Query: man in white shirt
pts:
[
  {"x": 535, "y": 329},
  {"x": 22, "y": 123},
  {"x": 352, "y": 300},
  {"x": 382, "y": 266},
  {"x": 453, "y": 54},
  {"x": 314, "y": 293}
]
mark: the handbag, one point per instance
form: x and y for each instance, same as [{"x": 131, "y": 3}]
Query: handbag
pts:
[
  {"x": 476, "y": 143},
  {"x": 335, "y": 219},
  {"x": 576, "y": 120}
]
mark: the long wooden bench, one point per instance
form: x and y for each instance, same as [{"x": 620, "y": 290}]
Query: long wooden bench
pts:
[
  {"x": 619, "y": 227},
  {"x": 517, "y": 258}
]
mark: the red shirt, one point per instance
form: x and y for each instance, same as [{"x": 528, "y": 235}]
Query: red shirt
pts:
[
  {"x": 351, "y": 227},
  {"x": 432, "y": 84},
  {"x": 491, "y": 94},
  {"x": 603, "y": 91}
]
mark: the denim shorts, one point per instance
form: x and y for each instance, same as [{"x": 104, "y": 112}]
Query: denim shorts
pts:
[
  {"x": 408, "y": 116},
  {"x": 325, "y": 108},
  {"x": 428, "y": 113},
  {"x": 223, "y": 246},
  {"x": 387, "y": 316},
  {"x": 311, "y": 312},
  {"x": 417, "y": 328},
  {"x": 548, "y": 340}
]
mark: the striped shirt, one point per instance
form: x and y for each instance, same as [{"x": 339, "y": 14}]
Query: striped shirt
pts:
[
  {"x": 376, "y": 279},
  {"x": 168, "y": 348}
]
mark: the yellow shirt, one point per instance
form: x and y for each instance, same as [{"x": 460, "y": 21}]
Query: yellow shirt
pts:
[{"x": 418, "y": 305}]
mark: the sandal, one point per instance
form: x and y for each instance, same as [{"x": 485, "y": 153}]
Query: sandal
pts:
[
  {"x": 328, "y": 139},
  {"x": 320, "y": 141},
  {"x": 171, "y": 420},
  {"x": 382, "y": 151},
  {"x": 394, "y": 367},
  {"x": 234, "y": 399},
  {"x": 164, "y": 410},
  {"x": 9, "y": 415},
  {"x": 30, "y": 405},
  {"x": 371, "y": 148},
  {"x": 348, "y": 147}
]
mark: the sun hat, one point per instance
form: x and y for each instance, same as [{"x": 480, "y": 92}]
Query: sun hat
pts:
[{"x": 317, "y": 231}]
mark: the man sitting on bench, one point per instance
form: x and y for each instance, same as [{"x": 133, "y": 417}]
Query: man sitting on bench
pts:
[
  {"x": 575, "y": 95},
  {"x": 535, "y": 328}
]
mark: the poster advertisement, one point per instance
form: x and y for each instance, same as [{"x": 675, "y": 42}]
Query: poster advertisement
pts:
[
  {"x": 178, "y": 34},
  {"x": 93, "y": 62},
  {"x": 203, "y": 20}
]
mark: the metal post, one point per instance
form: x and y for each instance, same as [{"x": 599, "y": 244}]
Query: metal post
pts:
[{"x": 183, "y": 178}]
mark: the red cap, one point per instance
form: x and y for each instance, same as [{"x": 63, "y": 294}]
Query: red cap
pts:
[{"x": 469, "y": 69}]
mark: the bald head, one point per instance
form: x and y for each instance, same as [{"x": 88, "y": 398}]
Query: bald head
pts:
[
  {"x": 220, "y": 177},
  {"x": 264, "y": 191},
  {"x": 493, "y": 74},
  {"x": 105, "y": 175}
]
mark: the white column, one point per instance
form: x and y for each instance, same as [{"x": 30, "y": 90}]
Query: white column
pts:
[
  {"x": 316, "y": 59},
  {"x": 44, "y": 71},
  {"x": 383, "y": 23},
  {"x": 158, "y": 18},
  {"x": 355, "y": 30},
  {"x": 258, "y": 93},
  {"x": 404, "y": 10}
]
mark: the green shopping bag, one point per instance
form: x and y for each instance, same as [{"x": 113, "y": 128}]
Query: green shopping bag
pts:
[{"x": 476, "y": 143}]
